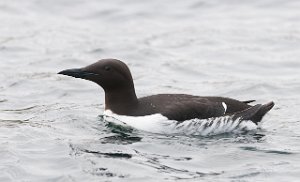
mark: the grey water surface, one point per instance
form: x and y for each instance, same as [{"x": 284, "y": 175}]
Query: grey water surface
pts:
[{"x": 51, "y": 127}]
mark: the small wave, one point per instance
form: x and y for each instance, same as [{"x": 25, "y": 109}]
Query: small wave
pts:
[
  {"x": 3, "y": 100},
  {"x": 254, "y": 149},
  {"x": 20, "y": 109}
]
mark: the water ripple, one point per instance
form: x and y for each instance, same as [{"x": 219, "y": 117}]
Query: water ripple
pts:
[{"x": 248, "y": 148}]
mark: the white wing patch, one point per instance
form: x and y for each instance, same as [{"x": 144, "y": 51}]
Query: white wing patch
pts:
[{"x": 225, "y": 107}]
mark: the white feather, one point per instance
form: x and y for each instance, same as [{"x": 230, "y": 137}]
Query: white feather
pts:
[
  {"x": 225, "y": 107},
  {"x": 157, "y": 123}
]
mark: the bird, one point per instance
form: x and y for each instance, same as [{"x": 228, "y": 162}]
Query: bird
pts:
[{"x": 116, "y": 80}]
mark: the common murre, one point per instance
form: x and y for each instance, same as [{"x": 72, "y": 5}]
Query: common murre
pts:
[{"x": 120, "y": 98}]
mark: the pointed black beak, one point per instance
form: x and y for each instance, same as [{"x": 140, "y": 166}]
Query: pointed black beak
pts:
[{"x": 77, "y": 73}]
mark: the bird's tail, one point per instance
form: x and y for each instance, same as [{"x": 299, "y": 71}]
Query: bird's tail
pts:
[{"x": 254, "y": 113}]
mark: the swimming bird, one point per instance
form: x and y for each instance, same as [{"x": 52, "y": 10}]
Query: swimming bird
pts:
[{"x": 120, "y": 97}]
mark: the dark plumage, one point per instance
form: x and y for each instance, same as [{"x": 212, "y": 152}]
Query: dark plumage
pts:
[{"x": 116, "y": 80}]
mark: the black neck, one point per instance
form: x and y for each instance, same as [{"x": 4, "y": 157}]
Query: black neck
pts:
[{"x": 120, "y": 101}]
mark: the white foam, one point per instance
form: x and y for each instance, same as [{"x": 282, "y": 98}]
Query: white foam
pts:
[{"x": 158, "y": 123}]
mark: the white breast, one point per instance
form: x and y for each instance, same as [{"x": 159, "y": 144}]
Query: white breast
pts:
[{"x": 158, "y": 123}]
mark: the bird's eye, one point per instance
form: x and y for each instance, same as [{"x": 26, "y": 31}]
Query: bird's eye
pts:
[{"x": 107, "y": 68}]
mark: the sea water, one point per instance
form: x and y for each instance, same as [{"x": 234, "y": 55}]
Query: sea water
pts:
[{"x": 51, "y": 126}]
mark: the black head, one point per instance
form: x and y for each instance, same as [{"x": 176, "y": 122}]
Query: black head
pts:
[{"x": 110, "y": 74}]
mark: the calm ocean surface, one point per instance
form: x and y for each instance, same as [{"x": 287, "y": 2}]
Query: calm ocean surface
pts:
[{"x": 51, "y": 127}]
